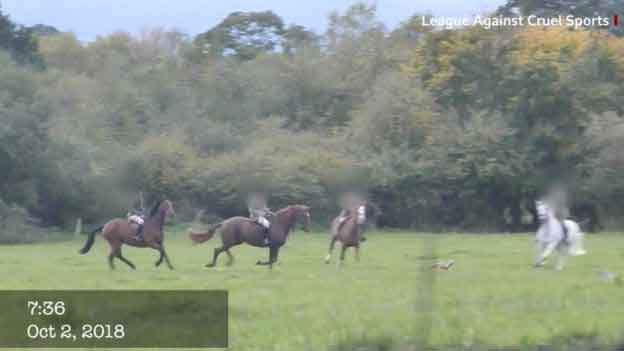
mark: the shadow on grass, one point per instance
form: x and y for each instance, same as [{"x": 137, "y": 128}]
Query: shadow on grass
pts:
[
  {"x": 573, "y": 342},
  {"x": 366, "y": 344}
]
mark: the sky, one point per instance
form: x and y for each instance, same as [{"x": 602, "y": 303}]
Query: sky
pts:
[{"x": 90, "y": 18}]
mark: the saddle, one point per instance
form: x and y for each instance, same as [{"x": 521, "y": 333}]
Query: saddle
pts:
[
  {"x": 257, "y": 222},
  {"x": 136, "y": 221}
]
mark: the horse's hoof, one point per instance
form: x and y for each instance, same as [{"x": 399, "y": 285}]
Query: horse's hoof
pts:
[{"x": 258, "y": 263}]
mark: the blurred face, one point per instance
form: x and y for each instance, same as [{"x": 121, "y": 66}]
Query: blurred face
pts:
[{"x": 361, "y": 214}]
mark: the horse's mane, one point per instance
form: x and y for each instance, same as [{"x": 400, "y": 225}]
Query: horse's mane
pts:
[
  {"x": 290, "y": 207},
  {"x": 155, "y": 208},
  {"x": 282, "y": 210}
]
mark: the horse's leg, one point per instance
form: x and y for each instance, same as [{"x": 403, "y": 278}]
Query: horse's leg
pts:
[
  {"x": 575, "y": 239},
  {"x": 273, "y": 252},
  {"x": 342, "y": 253},
  {"x": 539, "y": 248},
  {"x": 560, "y": 261},
  {"x": 331, "y": 249},
  {"x": 111, "y": 264},
  {"x": 230, "y": 257},
  {"x": 217, "y": 252},
  {"x": 115, "y": 251},
  {"x": 357, "y": 252},
  {"x": 547, "y": 250},
  {"x": 161, "y": 250},
  {"x": 160, "y": 259},
  {"x": 160, "y": 247},
  {"x": 264, "y": 263},
  {"x": 164, "y": 253},
  {"x": 125, "y": 260}
]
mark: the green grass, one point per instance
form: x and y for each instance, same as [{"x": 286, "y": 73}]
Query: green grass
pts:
[{"x": 492, "y": 296}]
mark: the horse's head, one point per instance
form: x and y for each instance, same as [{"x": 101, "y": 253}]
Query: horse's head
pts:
[
  {"x": 164, "y": 207},
  {"x": 543, "y": 210},
  {"x": 169, "y": 211}
]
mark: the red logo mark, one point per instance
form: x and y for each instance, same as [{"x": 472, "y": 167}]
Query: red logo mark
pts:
[{"x": 616, "y": 20}]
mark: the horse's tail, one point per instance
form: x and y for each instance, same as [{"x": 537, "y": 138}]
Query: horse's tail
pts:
[
  {"x": 584, "y": 224},
  {"x": 199, "y": 238},
  {"x": 576, "y": 240},
  {"x": 90, "y": 240}
]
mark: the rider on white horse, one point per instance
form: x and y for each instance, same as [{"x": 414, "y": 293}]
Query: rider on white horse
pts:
[{"x": 564, "y": 235}]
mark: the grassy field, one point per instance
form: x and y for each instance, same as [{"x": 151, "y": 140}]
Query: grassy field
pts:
[{"x": 388, "y": 300}]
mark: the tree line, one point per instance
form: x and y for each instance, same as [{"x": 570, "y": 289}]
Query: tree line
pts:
[{"x": 442, "y": 129}]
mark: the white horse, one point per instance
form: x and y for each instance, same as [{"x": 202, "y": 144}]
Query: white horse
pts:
[{"x": 551, "y": 236}]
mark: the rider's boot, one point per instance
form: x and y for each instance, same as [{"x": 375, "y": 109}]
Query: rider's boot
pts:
[
  {"x": 267, "y": 237},
  {"x": 139, "y": 235}
]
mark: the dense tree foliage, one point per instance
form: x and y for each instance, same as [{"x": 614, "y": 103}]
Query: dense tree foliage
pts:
[
  {"x": 43, "y": 29},
  {"x": 440, "y": 128},
  {"x": 245, "y": 35},
  {"x": 18, "y": 41}
]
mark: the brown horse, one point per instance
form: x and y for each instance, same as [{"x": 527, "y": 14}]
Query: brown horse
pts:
[
  {"x": 120, "y": 231},
  {"x": 237, "y": 230},
  {"x": 349, "y": 231}
]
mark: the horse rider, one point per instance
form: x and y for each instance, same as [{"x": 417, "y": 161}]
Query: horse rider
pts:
[
  {"x": 559, "y": 214},
  {"x": 346, "y": 214},
  {"x": 258, "y": 213},
  {"x": 137, "y": 217}
]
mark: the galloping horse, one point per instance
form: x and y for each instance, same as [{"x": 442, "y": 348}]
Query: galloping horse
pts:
[
  {"x": 119, "y": 231},
  {"x": 552, "y": 235},
  {"x": 237, "y": 230},
  {"x": 348, "y": 231}
]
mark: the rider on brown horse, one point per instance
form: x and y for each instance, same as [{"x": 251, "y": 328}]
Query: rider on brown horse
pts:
[
  {"x": 348, "y": 229},
  {"x": 137, "y": 217},
  {"x": 258, "y": 213},
  {"x": 238, "y": 230},
  {"x": 345, "y": 214},
  {"x": 120, "y": 231}
]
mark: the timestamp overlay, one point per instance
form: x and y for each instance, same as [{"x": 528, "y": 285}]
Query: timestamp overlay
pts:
[{"x": 114, "y": 318}]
